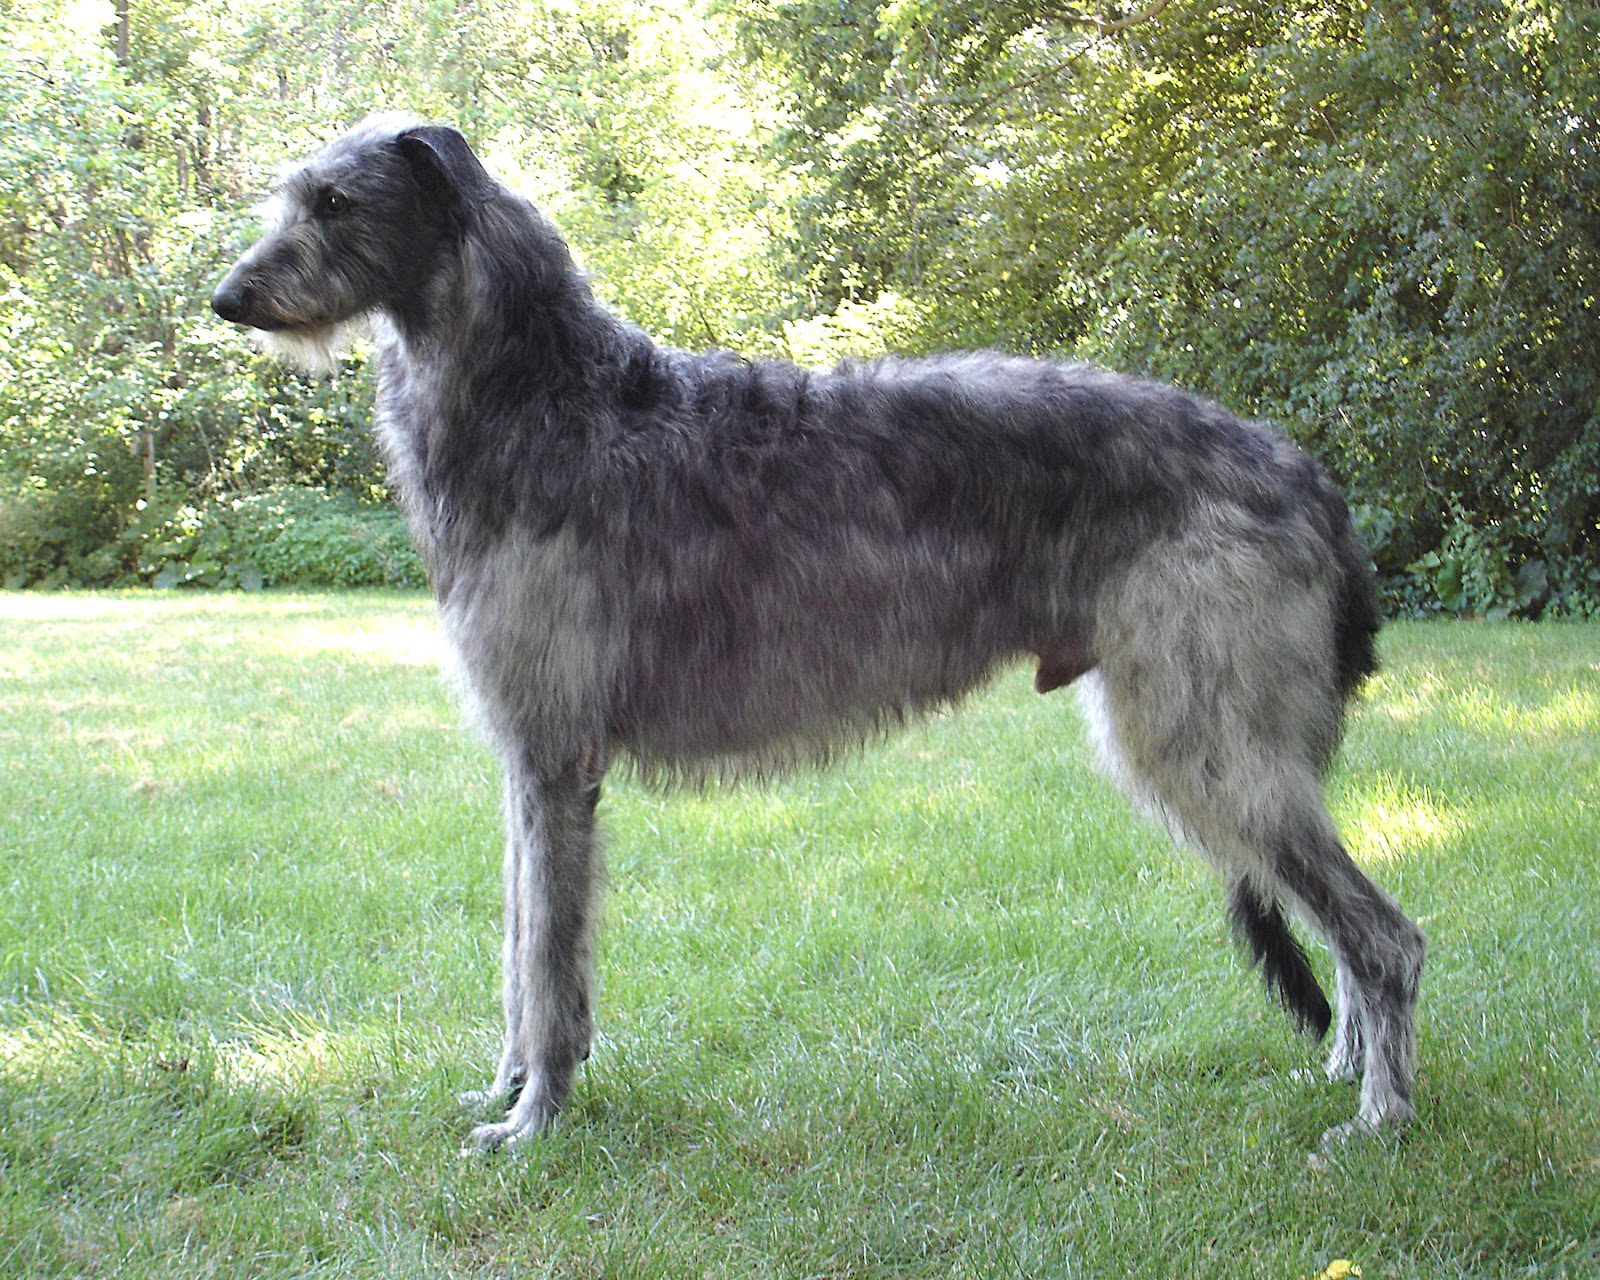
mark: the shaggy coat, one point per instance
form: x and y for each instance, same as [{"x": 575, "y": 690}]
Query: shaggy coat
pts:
[{"x": 714, "y": 567}]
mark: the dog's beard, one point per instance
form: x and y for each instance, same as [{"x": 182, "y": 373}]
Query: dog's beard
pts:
[{"x": 316, "y": 348}]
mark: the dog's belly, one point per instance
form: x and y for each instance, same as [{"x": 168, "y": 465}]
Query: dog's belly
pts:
[{"x": 820, "y": 649}]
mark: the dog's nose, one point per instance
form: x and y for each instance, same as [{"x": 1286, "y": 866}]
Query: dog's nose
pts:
[{"x": 229, "y": 301}]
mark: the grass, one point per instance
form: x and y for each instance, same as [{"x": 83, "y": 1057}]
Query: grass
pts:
[{"x": 946, "y": 1011}]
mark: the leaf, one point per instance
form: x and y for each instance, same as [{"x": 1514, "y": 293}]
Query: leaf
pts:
[{"x": 1338, "y": 1269}]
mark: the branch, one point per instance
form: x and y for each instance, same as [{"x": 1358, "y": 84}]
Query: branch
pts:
[{"x": 1105, "y": 26}]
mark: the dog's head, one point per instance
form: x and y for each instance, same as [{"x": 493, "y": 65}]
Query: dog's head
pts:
[{"x": 357, "y": 229}]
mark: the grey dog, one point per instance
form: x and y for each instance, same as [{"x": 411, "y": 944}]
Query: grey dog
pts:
[{"x": 715, "y": 566}]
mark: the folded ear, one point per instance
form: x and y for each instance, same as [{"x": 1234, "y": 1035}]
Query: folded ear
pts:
[{"x": 445, "y": 166}]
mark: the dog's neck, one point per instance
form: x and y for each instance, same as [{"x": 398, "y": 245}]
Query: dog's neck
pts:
[{"x": 490, "y": 374}]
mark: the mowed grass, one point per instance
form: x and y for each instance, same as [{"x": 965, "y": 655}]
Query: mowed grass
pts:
[{"x": 948, "y": 1010}]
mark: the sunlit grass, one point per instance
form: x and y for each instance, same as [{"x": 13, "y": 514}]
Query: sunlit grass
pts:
[
  {"x": 1392, "y": 822},
  {"x": 947, "y": 1010}
]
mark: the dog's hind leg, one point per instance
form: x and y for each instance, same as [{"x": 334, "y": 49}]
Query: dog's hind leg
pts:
[
  {"x": 1260, "y": 818},
  {"x": 551, "y": 870},
  {"x": 1379, "y": 953},
  {"x": 1216, "y": 704},
  {"x": 1347, "y": 1059}
]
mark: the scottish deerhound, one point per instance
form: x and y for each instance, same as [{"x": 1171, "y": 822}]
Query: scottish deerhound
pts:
[{"x": 715, "y": 566}]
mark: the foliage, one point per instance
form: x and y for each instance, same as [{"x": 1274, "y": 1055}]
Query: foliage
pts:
[
  {"x": 1374, "y": 223},
  {"x": 283, "y": 536},
  {"x": 1407, "y": 283},
  {"x": 304, "y": 537},
  {"x": 135, "y": 142},
  {"x": 119, "y": 393},
  {"x": 65, "y": 524}
]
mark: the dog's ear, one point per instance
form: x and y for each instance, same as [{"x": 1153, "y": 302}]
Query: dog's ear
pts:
[{"x": 445, "y": 166}]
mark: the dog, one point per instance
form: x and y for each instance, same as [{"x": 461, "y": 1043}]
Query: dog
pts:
[{"x": 716, "y": 567}]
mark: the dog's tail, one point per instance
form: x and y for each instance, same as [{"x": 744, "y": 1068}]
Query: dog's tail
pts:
[
  {"x": 1262, "y": 928},
  {"x": 1355, "y": 627}
]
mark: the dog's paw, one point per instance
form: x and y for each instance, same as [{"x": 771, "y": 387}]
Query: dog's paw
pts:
[
  {"x": 1343, "y": 1137},
  {"x": 501, "y": 1095},
  {"x": 507, "y": 1135},
  {"x": 488, "y": 1138},
  {"x": 1350, "y": 1131},
  {"x": 533, "y": 1113},
  {"x": 497, "y": 1097},
  {"x": 1339, "y": 1139}
]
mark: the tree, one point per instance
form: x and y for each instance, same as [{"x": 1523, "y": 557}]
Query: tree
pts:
[
  {"x": 1397, "y": 257},
  {"x": 1374, "y": 223},
  {"x": 140, "y": 135}
]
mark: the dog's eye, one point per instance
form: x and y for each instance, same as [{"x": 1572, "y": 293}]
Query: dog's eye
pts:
[{"x": 332, "y": 203}]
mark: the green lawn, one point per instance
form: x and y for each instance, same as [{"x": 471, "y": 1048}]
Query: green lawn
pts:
[{"x": 948, "y": 1010}]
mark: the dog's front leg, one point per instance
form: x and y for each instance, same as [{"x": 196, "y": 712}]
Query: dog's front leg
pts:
[
  {"x": 512, "y": 1072},
  {"x": 550, "y": 873}
]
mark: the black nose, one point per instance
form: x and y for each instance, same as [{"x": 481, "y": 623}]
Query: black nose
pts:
[{"x": 230, "y": 301}]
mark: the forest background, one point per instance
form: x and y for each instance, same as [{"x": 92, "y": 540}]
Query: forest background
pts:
[{"x": 1377, "y": 225}]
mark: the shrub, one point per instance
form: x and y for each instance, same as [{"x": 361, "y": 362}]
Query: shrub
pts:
[
  {"x": 309, "y": 538},
  {"x": 66, "y": 527},
  {"x": 286, "y": 536}
]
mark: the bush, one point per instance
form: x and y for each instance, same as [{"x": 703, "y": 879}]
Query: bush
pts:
[
  {"x": 66, "y": 526},
  {"x": 309, "y": 538},
  {"x": 286, "y": 536}
]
